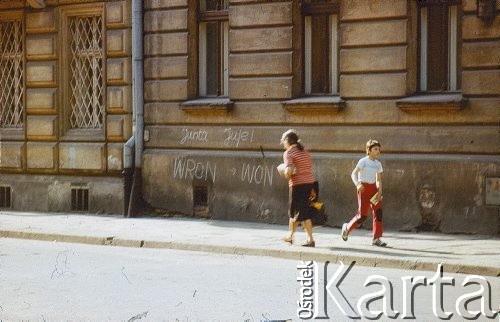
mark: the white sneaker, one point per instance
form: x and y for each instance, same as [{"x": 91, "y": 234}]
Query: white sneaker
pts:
[
  {"x": 345, "y": 232},
  {"x": 378, "y": 242}
]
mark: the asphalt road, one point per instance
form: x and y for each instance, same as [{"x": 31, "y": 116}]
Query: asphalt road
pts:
[{"x": 47, "y": 281}]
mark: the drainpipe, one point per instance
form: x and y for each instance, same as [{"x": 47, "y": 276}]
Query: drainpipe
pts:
[
  {"x": 128, "y": 172},
  {"x": 138, "y": 105}
]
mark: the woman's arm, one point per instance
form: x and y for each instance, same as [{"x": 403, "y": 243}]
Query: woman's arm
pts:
[
  {"x": 289, "y": 171},
  {"x": 288, "y": 161}
]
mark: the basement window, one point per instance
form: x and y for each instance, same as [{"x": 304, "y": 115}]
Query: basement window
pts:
[
  {"x": 79, "y": 199},
  {"x": 5, "y": 197},
  {"x": 200, "y": 201},
  {"x": 200, "y": 196}
]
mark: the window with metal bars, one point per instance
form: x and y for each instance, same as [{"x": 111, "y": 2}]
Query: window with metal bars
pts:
[
  {"x": 213, "y": 47},
  {"x": 79, "y": 199},
  {"x": 5, "y": 197},
  {"x": 86, "y": 72},
  {"x": 11, "y": 73}
]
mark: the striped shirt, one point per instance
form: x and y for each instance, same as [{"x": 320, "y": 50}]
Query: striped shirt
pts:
[{"x": 301, "y": 161}]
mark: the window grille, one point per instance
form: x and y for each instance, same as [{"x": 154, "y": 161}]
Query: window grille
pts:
[
  {"x": 79, "y": 199},
  {"x": 5, "y": 197},
  {"x": 86, "y": 72},
  {"x": 11, "y": 74}
]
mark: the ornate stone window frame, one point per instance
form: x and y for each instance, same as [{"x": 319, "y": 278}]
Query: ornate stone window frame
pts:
[
  {"x": 452, "y": 47},
  {"x": 15, "y": 128},
  {"x": 66, "y": 130},
  {"x": 203, "y": 103},
  {"x": 305, "y": 101},
  {"x": 450, "y": 98}
]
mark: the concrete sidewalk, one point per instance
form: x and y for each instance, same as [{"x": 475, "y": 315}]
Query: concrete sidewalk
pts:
[{"x": 416, "y": 251}]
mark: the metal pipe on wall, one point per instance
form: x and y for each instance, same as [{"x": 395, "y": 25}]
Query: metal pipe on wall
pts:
[
  {"x": 128, "y": 172},
  {"x": 138, "y": 78},
  {"x": 138, "y": 104}
]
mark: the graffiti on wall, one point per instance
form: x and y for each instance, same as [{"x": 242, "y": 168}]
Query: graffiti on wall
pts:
[
  {"x": 253, "y": 172},
  {"x": 188, "y": 135},
  {"x": 258, "y": 174},
  {"x": 235, "y": 136},
  {"x": 190, "y": 169},
  {"x": 231, "y": 137}
]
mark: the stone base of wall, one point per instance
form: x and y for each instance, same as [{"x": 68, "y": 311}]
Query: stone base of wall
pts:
[
  {"x": 444, "y": 193},
  {"x": 53, "y": 193}
]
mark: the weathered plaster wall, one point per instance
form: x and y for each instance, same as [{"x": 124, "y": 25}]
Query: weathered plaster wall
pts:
[
  {"x": 436, "y": 160},
  {"x": 53, "y": 193},
  {"x": 438, "y": 193},
  {"x": 44, "y": 145}
]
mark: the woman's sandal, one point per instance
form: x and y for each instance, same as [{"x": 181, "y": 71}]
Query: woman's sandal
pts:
[{"x": 310, "y": 244}]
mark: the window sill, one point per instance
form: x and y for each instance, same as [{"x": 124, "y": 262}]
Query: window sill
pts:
[
  {"x": 322, "y": 104},
  {"x": 432, "y": 102},
  {"x": 83, "y": 135},
  {"x": 216, "y": 104},
  {"x": 7, "y": 133}
]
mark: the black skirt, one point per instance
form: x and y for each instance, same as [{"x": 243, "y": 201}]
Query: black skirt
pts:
[{"x": 298, "y": 202}]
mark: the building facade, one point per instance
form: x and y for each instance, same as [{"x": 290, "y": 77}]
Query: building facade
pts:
[
  {"x": 65, "y": 104},
  {"x": 224, "y": 78}
]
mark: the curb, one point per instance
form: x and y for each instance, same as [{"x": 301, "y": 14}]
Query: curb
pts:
[{"x": 240, "y": 250}]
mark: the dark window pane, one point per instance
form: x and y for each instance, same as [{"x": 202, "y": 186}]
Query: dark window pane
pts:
[
  {"x": 213, "y": 59},
  {"x": 437, "y": 48},
  {"x": 320, "y": 55},
  {"x": 214, "y": 5},
  {"x": 200, "y": 196}
]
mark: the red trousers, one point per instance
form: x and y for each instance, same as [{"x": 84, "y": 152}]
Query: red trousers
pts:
[{"x": 364, "y": 206}]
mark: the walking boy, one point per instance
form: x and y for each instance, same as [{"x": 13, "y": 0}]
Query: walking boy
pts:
[{"x": 367, "y": 177}]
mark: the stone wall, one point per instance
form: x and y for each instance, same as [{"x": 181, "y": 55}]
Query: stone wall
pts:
[
  {"x": 45, "y": 145},
  {"x": 52, "y": 193},
  {"x": 436, "y": 157},
  {"x": 219, "y": 161}
]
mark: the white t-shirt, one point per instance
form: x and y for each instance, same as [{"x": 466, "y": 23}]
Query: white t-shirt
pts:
[{"x": 369, "y": 169}]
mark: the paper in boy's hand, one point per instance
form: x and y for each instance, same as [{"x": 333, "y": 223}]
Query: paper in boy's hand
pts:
[
  {"x": 281, "y": 169},
  {"x": 375, "y": 199}
]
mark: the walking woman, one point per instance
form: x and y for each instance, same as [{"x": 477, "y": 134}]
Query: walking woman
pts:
[{"x": 297, "y": 165}]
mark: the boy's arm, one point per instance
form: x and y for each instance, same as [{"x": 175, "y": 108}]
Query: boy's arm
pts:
[
  {"x": 354, "y": 178},
  {"x": 379, "y": 184}
]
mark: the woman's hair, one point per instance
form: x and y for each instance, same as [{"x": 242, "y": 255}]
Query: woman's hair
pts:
[
  {"x": 291, "y": 138},
  {"x": 370, "y": 144}
]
